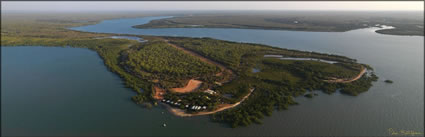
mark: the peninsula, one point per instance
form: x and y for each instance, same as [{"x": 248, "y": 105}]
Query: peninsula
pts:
[{"x": 203, "y": 76}]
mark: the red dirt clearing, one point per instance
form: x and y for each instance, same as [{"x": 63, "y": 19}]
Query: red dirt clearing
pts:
[
  {"x": 191, "y": 86},
  {"x": 159, "y": 92}
]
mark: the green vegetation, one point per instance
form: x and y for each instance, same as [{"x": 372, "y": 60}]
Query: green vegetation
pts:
[
  {"x": 277, "y": 82},
  {"x": 157, "y": 63},
  {"x": 156, "y": 60},
  {"x": 405, "y": 23},
  {"x": 54, "y": 25},
  {"x": 231, "y": 53},
  {"x": 404, "y": 29},
  {"x": 361, "y": 85},
  {"x": 42, "y": 29},
  {"x": 309, "y": 95},
  {"x": 388, "y": 81}
]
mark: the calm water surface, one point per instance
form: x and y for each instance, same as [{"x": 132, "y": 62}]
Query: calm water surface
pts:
[{"x": 68, "y": 91}]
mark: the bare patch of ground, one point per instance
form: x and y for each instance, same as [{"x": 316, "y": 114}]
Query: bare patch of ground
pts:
[
  {"x": 159, "y": 92},
  {"x": 191, "y": 86}
]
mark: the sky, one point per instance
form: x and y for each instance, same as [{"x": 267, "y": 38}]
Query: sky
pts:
[{"x": 216, "y": 5}]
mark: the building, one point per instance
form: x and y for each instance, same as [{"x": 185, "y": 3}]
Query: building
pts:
[{"x": 209, "y": 91}]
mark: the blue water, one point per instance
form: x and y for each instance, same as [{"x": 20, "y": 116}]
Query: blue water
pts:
[
  {"x": 128, "y": 37},
  {"x": 255, "y": 70},
  {"x": 290, "y": 58},
  {"x": 54, "y": 91},
  {"x": 399, "y": 105}
]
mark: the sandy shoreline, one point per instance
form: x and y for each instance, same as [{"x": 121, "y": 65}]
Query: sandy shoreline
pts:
[{"x": 182, "y": 113}]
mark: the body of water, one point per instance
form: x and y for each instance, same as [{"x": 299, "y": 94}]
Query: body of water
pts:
[
  {"x": 291, "y": 58},
  {"x": 68, "y": 91}
]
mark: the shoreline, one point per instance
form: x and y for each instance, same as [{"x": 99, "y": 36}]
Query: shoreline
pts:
[
  {"x": 350, "y": 80},
  {"x": 182, "y": 113},
  {"x": 377, "y": 31}
]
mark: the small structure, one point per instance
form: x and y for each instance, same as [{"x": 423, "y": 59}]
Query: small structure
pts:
[{"x": 209, "y": 91}]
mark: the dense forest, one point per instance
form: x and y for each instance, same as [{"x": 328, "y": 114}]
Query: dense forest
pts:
[
  {"x": 230, "y": 53},
  {"x": 277, "y": 81},
  {"x": 158, "y": 61}
]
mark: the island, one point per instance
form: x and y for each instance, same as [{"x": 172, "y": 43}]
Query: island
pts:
[
  {"x": 388, "y": 81},
  {"x": 205, "y": 76}
]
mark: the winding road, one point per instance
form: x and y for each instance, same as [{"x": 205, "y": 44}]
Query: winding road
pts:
[{"x": 349, "y": 80}]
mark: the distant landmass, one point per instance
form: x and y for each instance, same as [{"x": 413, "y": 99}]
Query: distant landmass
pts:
[{"x": 404, "y": 23}]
